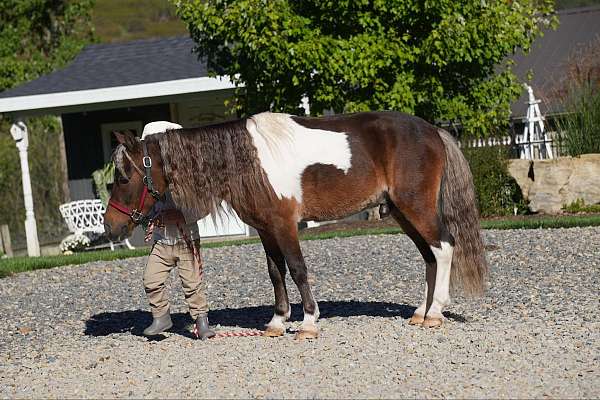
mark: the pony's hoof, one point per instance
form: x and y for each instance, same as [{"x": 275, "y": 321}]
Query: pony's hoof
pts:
[
  {"x": 416, "y": 319},
  {"x": 273, "y": 332},
  {"x": 432, "y": 322},
  {"x": 306, "y": 334}
]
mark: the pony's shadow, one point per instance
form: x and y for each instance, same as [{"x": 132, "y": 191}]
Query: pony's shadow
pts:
[{"x": 134, "y": 321}]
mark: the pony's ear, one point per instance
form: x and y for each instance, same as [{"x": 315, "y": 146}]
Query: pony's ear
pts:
[{"x": 127, "y": 139}]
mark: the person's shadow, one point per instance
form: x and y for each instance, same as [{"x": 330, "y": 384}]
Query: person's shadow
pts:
[{"x": 134, "y": 321}]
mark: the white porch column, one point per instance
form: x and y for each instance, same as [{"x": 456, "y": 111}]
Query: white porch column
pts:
[{"x": 19, "y": 133}]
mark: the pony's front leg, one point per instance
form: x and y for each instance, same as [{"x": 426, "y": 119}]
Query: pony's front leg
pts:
[
  {"x": 276, "y": 327},
  {"x": 289, "y": 245},
  {"x": 276, "y": 265}
]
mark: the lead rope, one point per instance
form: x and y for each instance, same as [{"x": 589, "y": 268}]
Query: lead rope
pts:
[
  {"x": 191, "y": 244},
  {"x": 238, "y": 334}
]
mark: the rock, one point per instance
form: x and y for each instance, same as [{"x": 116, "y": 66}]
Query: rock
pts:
[
  {"x": 551, "y": 184},
  {"x": 25, "y": 330}
]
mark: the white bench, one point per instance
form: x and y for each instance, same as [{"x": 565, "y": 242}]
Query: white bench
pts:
[{"x": 88, "y": 216}]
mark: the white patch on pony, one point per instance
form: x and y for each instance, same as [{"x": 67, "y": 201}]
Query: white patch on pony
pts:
[
  {"x": 441, "y": 294},
  {"x": 277, "y": 322},
  {"x": 158, "y": 127},
  {"x": 286, "y": 149},
  {"x": 310, "y": 320}
]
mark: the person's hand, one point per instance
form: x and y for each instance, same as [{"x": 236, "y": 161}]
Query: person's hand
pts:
[{"x": 149, "y": 231}]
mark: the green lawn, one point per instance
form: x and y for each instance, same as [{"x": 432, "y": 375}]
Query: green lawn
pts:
[
  {"x": 19, "y": 264},
  {"x": 125, "y": 20}
]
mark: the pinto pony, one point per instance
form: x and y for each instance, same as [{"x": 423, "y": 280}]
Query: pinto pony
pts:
[{"x": 275, "y": 170}]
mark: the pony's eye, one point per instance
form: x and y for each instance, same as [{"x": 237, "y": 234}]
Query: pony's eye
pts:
[{"x": 123, "y": 180}]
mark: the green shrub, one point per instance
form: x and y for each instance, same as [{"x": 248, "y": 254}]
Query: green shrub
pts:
[
  {"x": 497, "y": 192},
  {"x": 579, "y": 206}
]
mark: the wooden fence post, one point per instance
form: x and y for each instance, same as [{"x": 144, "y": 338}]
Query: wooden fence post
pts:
[{"x": 5, "y": 240}]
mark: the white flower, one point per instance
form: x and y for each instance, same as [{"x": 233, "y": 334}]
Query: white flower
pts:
[{"x": 73, "y": 243}]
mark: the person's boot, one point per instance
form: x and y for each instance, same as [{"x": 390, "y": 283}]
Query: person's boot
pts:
[
  {"x": 159, "y": 325},
  {"x": 201, "y": 328}
]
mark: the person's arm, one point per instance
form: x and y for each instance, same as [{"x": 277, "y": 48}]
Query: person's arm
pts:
[
  {"x": 149, "y": 232},
  {"x": 152, "y": 217}
]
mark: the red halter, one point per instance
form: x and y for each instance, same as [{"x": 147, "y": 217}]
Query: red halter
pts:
[{"x": 136, "y": 214}]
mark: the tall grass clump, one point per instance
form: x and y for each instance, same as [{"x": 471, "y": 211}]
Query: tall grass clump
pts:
[
  {"x": 578, "y": 96},
  {"x": 579, "y": 125}
]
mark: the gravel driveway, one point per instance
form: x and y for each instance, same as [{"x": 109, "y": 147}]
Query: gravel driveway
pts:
[{"x": 75, "y": 331}]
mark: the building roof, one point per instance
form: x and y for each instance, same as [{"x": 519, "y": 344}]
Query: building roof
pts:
[
  {"x": 109, "y": 73},
  {"x": 549, "y": 56},
  {"x": 119, "y": 64}
]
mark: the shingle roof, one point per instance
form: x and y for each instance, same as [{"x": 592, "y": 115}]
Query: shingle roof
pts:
[
  {"x": 549, "y": 55},
  {"x": 119, "y": 64}
]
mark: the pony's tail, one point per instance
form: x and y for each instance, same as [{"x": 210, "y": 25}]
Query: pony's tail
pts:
[{"x": 461, "y": 217}]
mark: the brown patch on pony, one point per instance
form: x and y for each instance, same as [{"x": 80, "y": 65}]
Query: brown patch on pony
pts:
[
  {"x": 207, "y": 165},
  {"x": 461, "y": 217}
]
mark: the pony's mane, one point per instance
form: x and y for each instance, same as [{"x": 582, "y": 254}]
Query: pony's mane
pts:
[{"x": 209, "y": 164}]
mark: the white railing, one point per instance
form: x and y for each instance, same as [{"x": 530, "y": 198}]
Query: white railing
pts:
[
  {"x": 536, "y": 149},
  {"x": 487, "y": 142}
]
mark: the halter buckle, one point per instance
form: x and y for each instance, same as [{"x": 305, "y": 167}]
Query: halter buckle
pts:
[
  {"x": 137, "y": 217},
  {"x": 147, "y": 161}
]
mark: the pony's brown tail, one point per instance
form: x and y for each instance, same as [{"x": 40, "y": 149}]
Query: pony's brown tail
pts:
[{"x": 461, "y": 217}]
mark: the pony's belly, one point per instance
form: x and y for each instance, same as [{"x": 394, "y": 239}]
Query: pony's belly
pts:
[
  {"x": 322, "y": 214},
  {"x": 329, "y": 193}
]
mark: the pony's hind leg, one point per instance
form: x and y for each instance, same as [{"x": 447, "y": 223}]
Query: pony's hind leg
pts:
[
  {"x": 276, "y": 265},
  {"x": 435, "y": 244},
  {"x": 441, "y": 292}
]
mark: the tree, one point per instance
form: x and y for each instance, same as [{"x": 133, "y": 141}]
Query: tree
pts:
[
  {"x": 36, "y": 37},
  {"x": 441, "y": 60}
]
